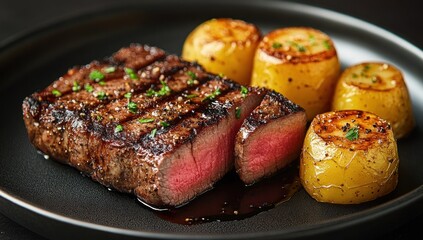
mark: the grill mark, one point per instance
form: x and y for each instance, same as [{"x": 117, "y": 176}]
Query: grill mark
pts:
[
  {"x": 139, "y": 85},
  {"x": 83, "y": 100},
  {"x": 187, "y": 126},
  {"x": 81, "y": 75},
  {"x": 163, "y": 112},
  {"x": 117, "y": 112}
]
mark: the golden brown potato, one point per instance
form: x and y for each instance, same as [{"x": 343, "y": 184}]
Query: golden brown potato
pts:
[
  {"x": 378, "y": 88},
  {"x": 349, "y": 157},
  {"x": 301, "y": 63},
  {"x": 224, "y": 46}
]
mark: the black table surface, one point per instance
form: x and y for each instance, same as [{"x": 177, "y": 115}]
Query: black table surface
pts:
[{"x": 404, "y": 18}]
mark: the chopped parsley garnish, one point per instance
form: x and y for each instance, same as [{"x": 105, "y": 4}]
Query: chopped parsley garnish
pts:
[
  {"x": 312, "y": 39},
  {"x": 327, "y": 45},
  {"x": 164, "y": 124},
  {"x": 276, "y": 45},
  {"x": 153, "y": 133},
  {"x": 76, "y": 87},
  {"x": 355, "y": 75},
  {"x": 352, "y": 134},
  {"x": 192, "y": 75},
  {"x": 96, "y": 75},
  {"x": 365, "y": 69},
  {"x": 99, "y": 117},
  {"x": 88, "y": 88},
  {"x": 102, "y": 83},
  {"x": 118, "y": 128},
  {"x": 191, "y": 96},
  {"x": 128, "y": 95},
  {"x": 237, "y": 112},
  {"x": 56, "y": 93},
  {"x": 130, "y": 72},
  {"x": 301, "y": 48},
  {"x": 109, "y": 69},
  {"x": 212, "y": 95},
  {"x": 244, "y": 91},
  {"x": 145, "y": 120},
  {"x": 298, "y": 46},
  {"x": 101, "y": 95},
  {"x": 164, "y": 90},
  {"x": 132, "y": 107}
]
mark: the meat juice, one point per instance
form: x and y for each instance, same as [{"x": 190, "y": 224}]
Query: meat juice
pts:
[{"x": 231, "y": 200}]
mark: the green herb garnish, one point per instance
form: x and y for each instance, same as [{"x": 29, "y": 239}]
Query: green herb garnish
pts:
[
  {"x": 244, "y": 91},
  {"x": 153, "y": 133},
  {"x": 76, "y": 87},
  {"x": 164, "y": 90},
  {"x": 109, "y": 69},
  {"x": 56, "y": 93},
  {"x": 237, "y": 112},
  {"x": 96, "y": 75},
  {"x": 132, "y": 107},
  {"x": 191, "y": 96},
  {"x": 276, "y": 45},
  {"x": 118, "y": 128},
  {"x": 130, "y": 72},
  {"x": 355, "y": 75},
  {"x": 128, "y": 95},
  {"x": 88, "y": 88},
  {"x": 101, "y": 95},
  {"x": 102, "y": 83},
  {"x": 212, "y": 95},
  {"x": 192, "y": 76},
  {"x": 311, "y": 39},
  {"x": 99, "y": 117},
  {"x": 352, "y": 134},
  {"x": 164, "y": 124},
  {"x": 299, "y": 47},
  {"x": 327, "y": 45},
  {"x": 145, "y": 120}
]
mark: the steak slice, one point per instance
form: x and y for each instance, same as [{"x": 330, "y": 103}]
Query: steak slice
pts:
[
  {"x": 270, "y": 138},
  {"x": 142, "y": 122}
]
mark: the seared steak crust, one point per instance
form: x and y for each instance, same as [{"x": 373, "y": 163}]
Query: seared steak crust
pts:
[
  {"x": 270, "y": 137},
  {"x": 131, "y": 120}
]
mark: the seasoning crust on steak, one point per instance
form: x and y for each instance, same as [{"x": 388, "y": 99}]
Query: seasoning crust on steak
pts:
[{"x": 142, "y": 122}]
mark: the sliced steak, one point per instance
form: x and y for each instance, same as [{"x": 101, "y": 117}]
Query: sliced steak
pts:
[
  {"x": 270, "y": 138},
  {"x": 142, "y": 122}
]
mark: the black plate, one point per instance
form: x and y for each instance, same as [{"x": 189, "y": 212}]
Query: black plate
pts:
[{"x": 55, "y": 201}]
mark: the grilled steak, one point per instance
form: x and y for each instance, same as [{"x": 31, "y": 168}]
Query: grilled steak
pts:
[
  {"x": 142, "y": 122},
  {"x": 270, "y": 138}
]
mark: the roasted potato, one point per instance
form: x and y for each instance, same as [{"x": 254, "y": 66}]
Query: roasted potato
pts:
[
  {"x": 378, "y": 88},
  {"x": 224, "y": 46},
  {"x": 301, "y": 63},
  {"x": 349, "y": 157}
]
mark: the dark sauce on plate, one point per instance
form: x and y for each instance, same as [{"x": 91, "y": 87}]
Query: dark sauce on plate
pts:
[{"x": 231, "y": 200}]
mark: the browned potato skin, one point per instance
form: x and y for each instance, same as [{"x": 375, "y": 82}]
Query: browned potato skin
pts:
[
  {"x": 304, "y": 67},
  {"x": 378, "y": 88},
  {"x": 339, "y": 170},
  {"x": 224, "y": 46}
]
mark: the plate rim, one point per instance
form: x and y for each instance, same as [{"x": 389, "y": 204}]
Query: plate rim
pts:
[{"x": 373, "y": 213}]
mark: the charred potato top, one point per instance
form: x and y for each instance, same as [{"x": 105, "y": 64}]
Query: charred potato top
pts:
[
  {"x": 301, "y": 63},
  {"x": 379, "y": 88},
  {"x": 349, "y": 157},
  {"x": 224, "y": 46}
]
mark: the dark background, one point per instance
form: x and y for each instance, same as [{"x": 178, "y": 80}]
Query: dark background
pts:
[{"x": 402, "y": 17}]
